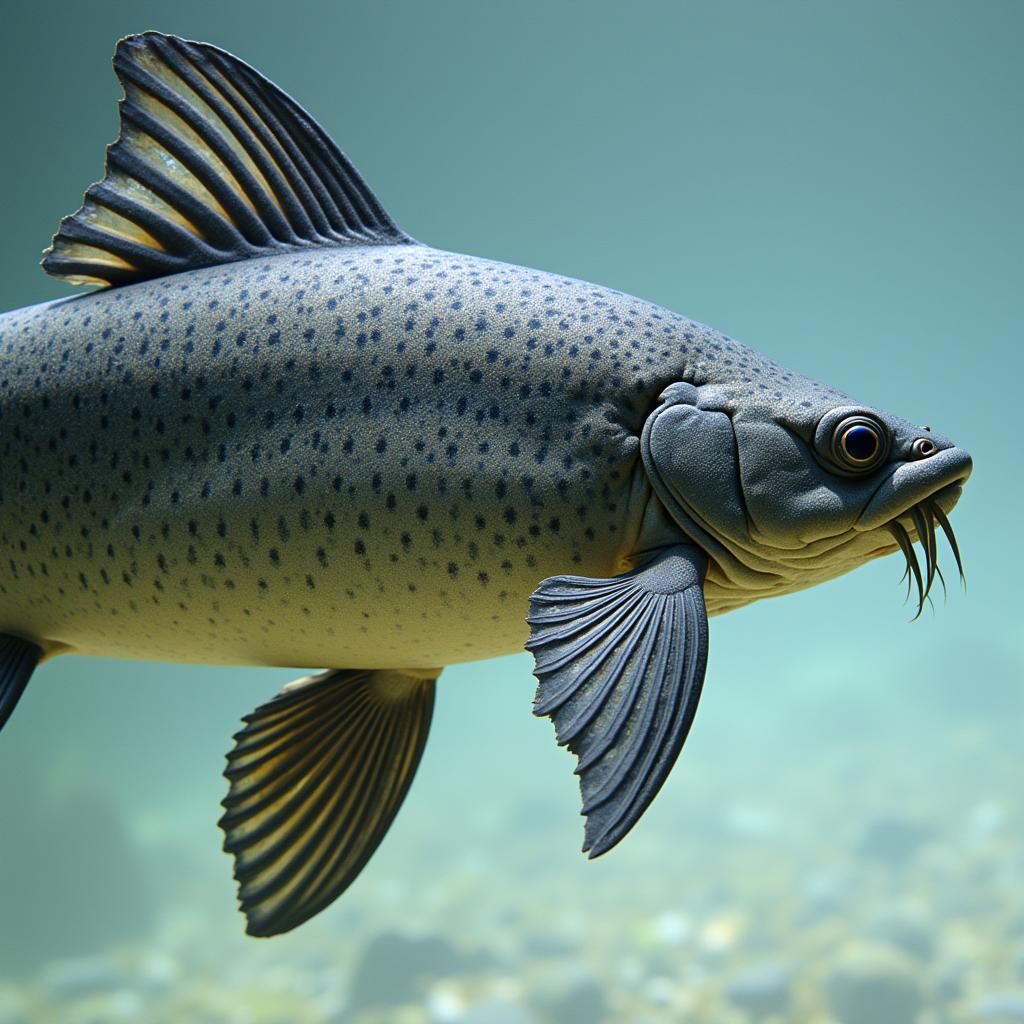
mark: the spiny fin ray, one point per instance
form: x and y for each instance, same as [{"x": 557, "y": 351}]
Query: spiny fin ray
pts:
[
  {"x": 18, "y": 660},
  {"x": 317, "y": 777},
  {"x": 214, "y": 164}
]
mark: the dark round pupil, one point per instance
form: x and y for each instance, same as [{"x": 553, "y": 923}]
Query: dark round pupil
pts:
[{"x": 860, "y": 443}]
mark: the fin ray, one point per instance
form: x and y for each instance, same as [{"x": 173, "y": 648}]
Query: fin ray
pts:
[
  {"x": 316, "y": 779},
  {"x": 615, "y": 657},
  {"x": 18, "y": 660},
  {"x": 323, "y": 851},
  {"x": 213, "y": 164},
  {"x": 335, "y": 812},
  {"x": 251, "y": 794},
  {"x": 195, "y": 122},
  {"x": 255, "y": 745},
  {"x": 622, "y": 688},
  {"x": 259, "y": 148},
  {"x": 311, "y": 797}
]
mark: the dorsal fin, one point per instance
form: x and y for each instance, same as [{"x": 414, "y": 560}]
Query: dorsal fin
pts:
[{"x": 214, "y": 163}]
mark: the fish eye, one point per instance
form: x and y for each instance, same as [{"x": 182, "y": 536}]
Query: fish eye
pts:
[{"x": 859, "y": 443}]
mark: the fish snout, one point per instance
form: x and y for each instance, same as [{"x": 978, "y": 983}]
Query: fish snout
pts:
[{"x": 939, "y": 474}]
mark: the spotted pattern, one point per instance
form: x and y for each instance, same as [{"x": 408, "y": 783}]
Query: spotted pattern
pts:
[{"x": 347, "y": 457}]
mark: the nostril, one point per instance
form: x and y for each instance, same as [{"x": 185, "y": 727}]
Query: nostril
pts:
[{"x": 922, "y": 448}]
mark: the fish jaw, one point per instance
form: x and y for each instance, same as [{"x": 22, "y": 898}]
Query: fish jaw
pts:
[{"x": 941, "y": 476}]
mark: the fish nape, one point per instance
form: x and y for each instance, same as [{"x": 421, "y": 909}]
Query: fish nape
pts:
[{"x": 282, "y": 432}]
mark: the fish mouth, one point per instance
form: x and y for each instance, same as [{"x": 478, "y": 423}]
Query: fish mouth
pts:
[
  {"x": 940, "y": 476},
  {"x": 899, "y": 506}
]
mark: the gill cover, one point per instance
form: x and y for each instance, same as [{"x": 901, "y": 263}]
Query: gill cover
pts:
[{"x": 691, "y": 459}]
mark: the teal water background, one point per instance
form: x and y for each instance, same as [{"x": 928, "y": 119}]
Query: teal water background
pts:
[{"x": 837, "y": 185}]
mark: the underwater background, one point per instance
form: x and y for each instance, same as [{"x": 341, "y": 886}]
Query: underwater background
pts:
[{"x": 842, "y": 839}]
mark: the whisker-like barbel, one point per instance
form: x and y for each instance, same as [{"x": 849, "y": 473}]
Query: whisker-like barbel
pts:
[
  {"x": 914, "y": 567},
  {"x": 947, "y": 529},
  {"x": 926, "y": 536},
  {"x": 925, "y": 515},
  {"x": 929, "y": 515}
]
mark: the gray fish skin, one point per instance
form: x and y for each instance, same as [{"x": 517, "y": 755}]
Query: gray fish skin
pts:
[
  {"x": 363, "y": 456},
  {"x": 370, "y": 456}
]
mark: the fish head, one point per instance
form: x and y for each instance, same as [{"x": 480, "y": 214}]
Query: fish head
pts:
[{"x": 799, "y": 483}]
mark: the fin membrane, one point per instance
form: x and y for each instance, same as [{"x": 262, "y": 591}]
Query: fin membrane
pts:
[
  {"x": 214, "y": 163},
  {"x": 620, "y": 664},
  {"x": 317, "y": 776},
  {"x": 18, "y": 660}
]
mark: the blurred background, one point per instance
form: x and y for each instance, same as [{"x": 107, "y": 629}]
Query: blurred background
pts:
[{"x": 838, "y": 185}]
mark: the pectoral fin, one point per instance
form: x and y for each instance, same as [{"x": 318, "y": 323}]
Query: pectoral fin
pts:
[
  {"x": 621, "y": 664},
  {"x": 317, "y": 777},
  {"x": 18, "y": 660}
]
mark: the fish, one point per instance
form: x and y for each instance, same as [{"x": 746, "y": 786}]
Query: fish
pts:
[{"x": 282, "y": 432}]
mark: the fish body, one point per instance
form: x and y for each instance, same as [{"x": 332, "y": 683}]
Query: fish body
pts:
[
  {"x": 364, "y": 456},
  {"x": 287, "y": 434}
]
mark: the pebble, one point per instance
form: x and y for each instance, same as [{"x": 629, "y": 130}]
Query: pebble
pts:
[
  {"x": 158, "y": 973},
  {"x": 761, "y": 990},
  {"x": 497, "y": 1011},
  {"x": 445, "y": 1005},
  {"x": 395, "y": 969},
  {"x": 822, "y": 895},
  {"x": 672, "y": 929},
  {"x": 893, "y": 840},
  {"x": 986, "y": 819},
  {"x": 660, "y": 992},
  {"x": 950, "y": 980},
  {"x": 68, "y": 980},
  {"x": 874, "y": 985},
  {"x": 751, "y": 823},
  {"x": 908, "y": 930},
  {"x": 1001, "y": 1007},
  {"x": 12, "y": 1010},
  {"x": 577, "y": 999},
  {"x": 125, "y": 1005}
]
